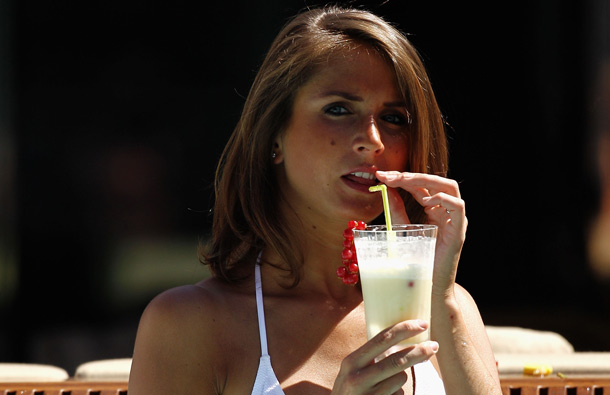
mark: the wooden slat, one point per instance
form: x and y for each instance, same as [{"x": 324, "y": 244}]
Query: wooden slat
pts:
[
  {"x": 576, "y": 385},
  {"x": 70, "y": 387},
  {"x": 584, "y": 390},
  {"x": 511, "y": 385}
]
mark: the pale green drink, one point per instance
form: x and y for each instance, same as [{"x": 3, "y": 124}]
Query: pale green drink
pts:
[{"x": 396, "y": 274}]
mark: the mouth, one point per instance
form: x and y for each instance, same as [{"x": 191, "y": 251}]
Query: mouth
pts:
[{"x": 362, "y": 178}]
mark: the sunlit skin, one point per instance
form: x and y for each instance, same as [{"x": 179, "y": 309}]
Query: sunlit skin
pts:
[
  {"x": 349, "y": 118},
  {"x": 345, "y": 134}
]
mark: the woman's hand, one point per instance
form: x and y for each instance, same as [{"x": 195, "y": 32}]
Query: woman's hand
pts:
[
  {"x": 466, "y": 359},
  {"x": 444, "y": 207},
  {"x": 359, "y": 374}
]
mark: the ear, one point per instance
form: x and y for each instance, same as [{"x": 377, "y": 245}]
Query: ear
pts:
[{"x": 277, "y": 154}]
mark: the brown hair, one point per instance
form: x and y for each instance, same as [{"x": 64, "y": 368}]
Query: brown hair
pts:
[{"x": 246, "y": 217}]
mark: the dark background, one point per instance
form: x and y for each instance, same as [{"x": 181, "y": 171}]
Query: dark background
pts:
[{"x": 114, "y": 114}]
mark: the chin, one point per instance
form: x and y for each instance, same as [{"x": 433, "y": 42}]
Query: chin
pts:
[{"x": 367, "y": 217}]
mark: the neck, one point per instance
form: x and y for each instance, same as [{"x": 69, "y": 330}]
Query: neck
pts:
[
  {"x": 321, "y": 248},
  {"x": 319, "y": 241}
]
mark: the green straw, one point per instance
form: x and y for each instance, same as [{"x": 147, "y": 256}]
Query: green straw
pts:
[{"x": 386, "y": 203}]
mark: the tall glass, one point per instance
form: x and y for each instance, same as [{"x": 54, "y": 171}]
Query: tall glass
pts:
[{"x": 396, "y": 274}]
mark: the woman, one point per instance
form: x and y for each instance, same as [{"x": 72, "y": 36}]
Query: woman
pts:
[{"x": 341, "y": 102}]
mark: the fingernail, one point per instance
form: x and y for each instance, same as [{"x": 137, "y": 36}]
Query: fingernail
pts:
[
  {"x": 434, "y": 346},
  {"x": 423, "y": 324},
  {"x": 388, "y": 176}
]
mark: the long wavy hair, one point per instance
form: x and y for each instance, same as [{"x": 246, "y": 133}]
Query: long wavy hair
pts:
[{"x": 246, "y": 216}]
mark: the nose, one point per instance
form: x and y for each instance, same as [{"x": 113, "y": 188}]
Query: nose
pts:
[{"x": 368, "y": 139}]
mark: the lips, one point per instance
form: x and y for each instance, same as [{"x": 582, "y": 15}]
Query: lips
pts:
[{"x": 362, "y": 177}]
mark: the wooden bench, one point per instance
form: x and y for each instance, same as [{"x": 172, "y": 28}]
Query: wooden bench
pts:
[
  {"x": 511, "y": 385},
  {"x": 68, "y": 387},
  {"x": 554, "y": 385}
]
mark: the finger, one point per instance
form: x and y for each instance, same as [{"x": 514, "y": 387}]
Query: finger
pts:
[
  {"x": 393, "y": 384},
  {"x": 408, "y": 357},
  {"x": 355, "y": 383},
  {"x": 441, "y": 206},
  {"x": 386, "y": 375},
  {"x": 450, "y": 202},
  {"x": 397, "y": 207},
  {"x": 444, "y": 209},
  {"x": 413, "y": 182},
  {"x": 438, "y": 215},
  {"x": 387, "y": 338}
]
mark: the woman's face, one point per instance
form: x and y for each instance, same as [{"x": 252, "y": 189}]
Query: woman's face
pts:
[{"x": 348, "y": 121}]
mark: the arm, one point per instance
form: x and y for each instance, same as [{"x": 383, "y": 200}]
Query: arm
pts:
[{"x": 465, "y": 358}]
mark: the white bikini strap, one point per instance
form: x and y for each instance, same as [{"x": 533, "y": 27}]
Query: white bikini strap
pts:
[{"x": 262, "y": 330}]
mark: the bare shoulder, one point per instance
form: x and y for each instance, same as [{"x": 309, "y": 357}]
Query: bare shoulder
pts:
[
  {"x": 178, "y": 306},
  {"x": 183, "y": 309},
  {"x": 179, "y": 342}
]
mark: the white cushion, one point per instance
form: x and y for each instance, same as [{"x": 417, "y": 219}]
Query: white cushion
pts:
[
  {"x": 106, "y": 369},
  {"x": 577, "y": 362},
  {"x": 515, "y": 340},
  {"x": 29, "y": 372}
]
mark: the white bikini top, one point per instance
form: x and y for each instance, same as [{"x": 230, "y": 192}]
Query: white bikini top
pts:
[
  {"x": 266, "y": 382},
  {"x": 428, "y": 382}
]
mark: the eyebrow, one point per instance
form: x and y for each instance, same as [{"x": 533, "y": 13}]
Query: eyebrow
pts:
[{"x": 352, "y": 97}]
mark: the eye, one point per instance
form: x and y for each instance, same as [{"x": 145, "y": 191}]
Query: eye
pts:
[
  {"x": 336, "y": 110},
  {"x": 396, "y": 119}
]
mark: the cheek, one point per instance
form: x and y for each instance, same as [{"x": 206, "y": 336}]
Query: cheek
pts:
[
  {"x": 397, "y": 155},
  {"x": 315, "y": 139},
  {"x": 302, "y": 154}
]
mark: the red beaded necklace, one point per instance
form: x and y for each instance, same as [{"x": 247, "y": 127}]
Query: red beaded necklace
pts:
[{"x": 348, "y": 272}]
